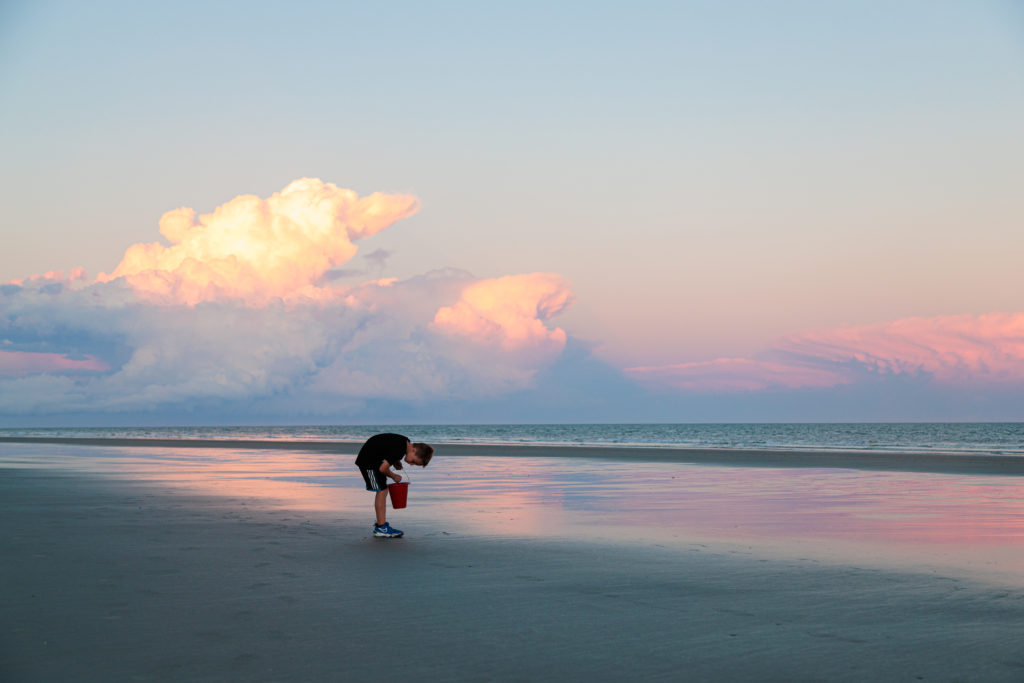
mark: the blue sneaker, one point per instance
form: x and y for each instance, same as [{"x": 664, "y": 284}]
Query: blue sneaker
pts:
[{"x": 385, "y": 531}]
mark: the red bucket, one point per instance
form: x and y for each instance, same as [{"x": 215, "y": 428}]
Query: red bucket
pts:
[{"x": 399, "y": 494}]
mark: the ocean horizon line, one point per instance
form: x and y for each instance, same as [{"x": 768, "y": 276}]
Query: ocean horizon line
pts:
[
  {"x": 994, "y": 438},
  {"x": 920, "y": 460}
]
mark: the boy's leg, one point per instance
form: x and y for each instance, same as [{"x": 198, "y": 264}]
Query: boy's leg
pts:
[
  {"x": 378, "y": 483},
  {"x": 380, "y": 506}
]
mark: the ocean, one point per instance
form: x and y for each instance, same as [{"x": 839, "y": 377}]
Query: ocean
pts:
[{"x": 1000, "y": 438}]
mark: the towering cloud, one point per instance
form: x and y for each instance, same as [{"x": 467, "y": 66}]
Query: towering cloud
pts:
[
  {"x": 236, "y": 310},
  {"x": 257, "y": 249},
  {"x": 509, "y": 312}
]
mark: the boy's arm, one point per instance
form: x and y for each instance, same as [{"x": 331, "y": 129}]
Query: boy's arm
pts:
[{"x": 385, "y": 468}]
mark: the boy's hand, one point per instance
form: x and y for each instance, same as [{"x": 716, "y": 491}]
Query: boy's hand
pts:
[{"x": 396, "y": 477}]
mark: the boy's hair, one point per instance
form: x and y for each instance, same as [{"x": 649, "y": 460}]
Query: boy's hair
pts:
[{"x": 425, "y": 452}]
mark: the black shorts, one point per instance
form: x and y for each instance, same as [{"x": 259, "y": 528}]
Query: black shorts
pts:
[{"x": 375, "y": 480}]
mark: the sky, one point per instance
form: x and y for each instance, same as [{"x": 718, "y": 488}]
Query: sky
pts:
[{"x": 335, "y": 212}]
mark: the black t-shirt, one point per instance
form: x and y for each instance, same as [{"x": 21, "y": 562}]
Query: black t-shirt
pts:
[{"x": 377, "y": 449}]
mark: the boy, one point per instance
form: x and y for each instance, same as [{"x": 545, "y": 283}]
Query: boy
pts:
[{"x": 375, "y": 461}]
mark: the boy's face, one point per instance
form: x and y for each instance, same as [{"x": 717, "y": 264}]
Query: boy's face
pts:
[{"x": 413, "y": 459}]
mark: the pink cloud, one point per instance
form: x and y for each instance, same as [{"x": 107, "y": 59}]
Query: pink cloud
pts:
[
  {"x": 254, "y": 249},
  {"x": 73, "y": 275},
  {"x": 724, "y": 375},
  {"x": 21, "y": 363},
  {"x": 959, "y": 348},
  {"x": 509, "y": 312},
  {"x": 963, "y": 349}
]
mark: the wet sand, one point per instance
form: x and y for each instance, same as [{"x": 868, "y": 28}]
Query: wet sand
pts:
[{"x": 132, "y": 580}]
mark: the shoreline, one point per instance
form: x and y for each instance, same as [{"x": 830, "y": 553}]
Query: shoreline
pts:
[{"x": 911, "y": 461}]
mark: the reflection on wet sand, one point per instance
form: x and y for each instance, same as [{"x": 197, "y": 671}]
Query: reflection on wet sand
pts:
[
  {"x": 889, "y": 519},
  {"x": 295, "y": 480},
  {"x": 972, "y": 523}
]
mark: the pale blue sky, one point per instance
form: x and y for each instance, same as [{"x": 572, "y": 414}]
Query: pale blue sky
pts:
[{"x": 708, "y": 176}]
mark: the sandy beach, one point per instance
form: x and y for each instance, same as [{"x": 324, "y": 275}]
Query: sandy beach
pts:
[{"x": 116, "y": 568}]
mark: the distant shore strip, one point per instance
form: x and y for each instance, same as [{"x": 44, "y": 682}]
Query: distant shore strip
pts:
[{"x": 938, "y": 463}]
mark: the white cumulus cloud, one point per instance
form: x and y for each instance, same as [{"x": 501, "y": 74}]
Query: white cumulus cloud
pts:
[
  {"x": 235, "y": 310},
  {"x": 258, "y": 249}
]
